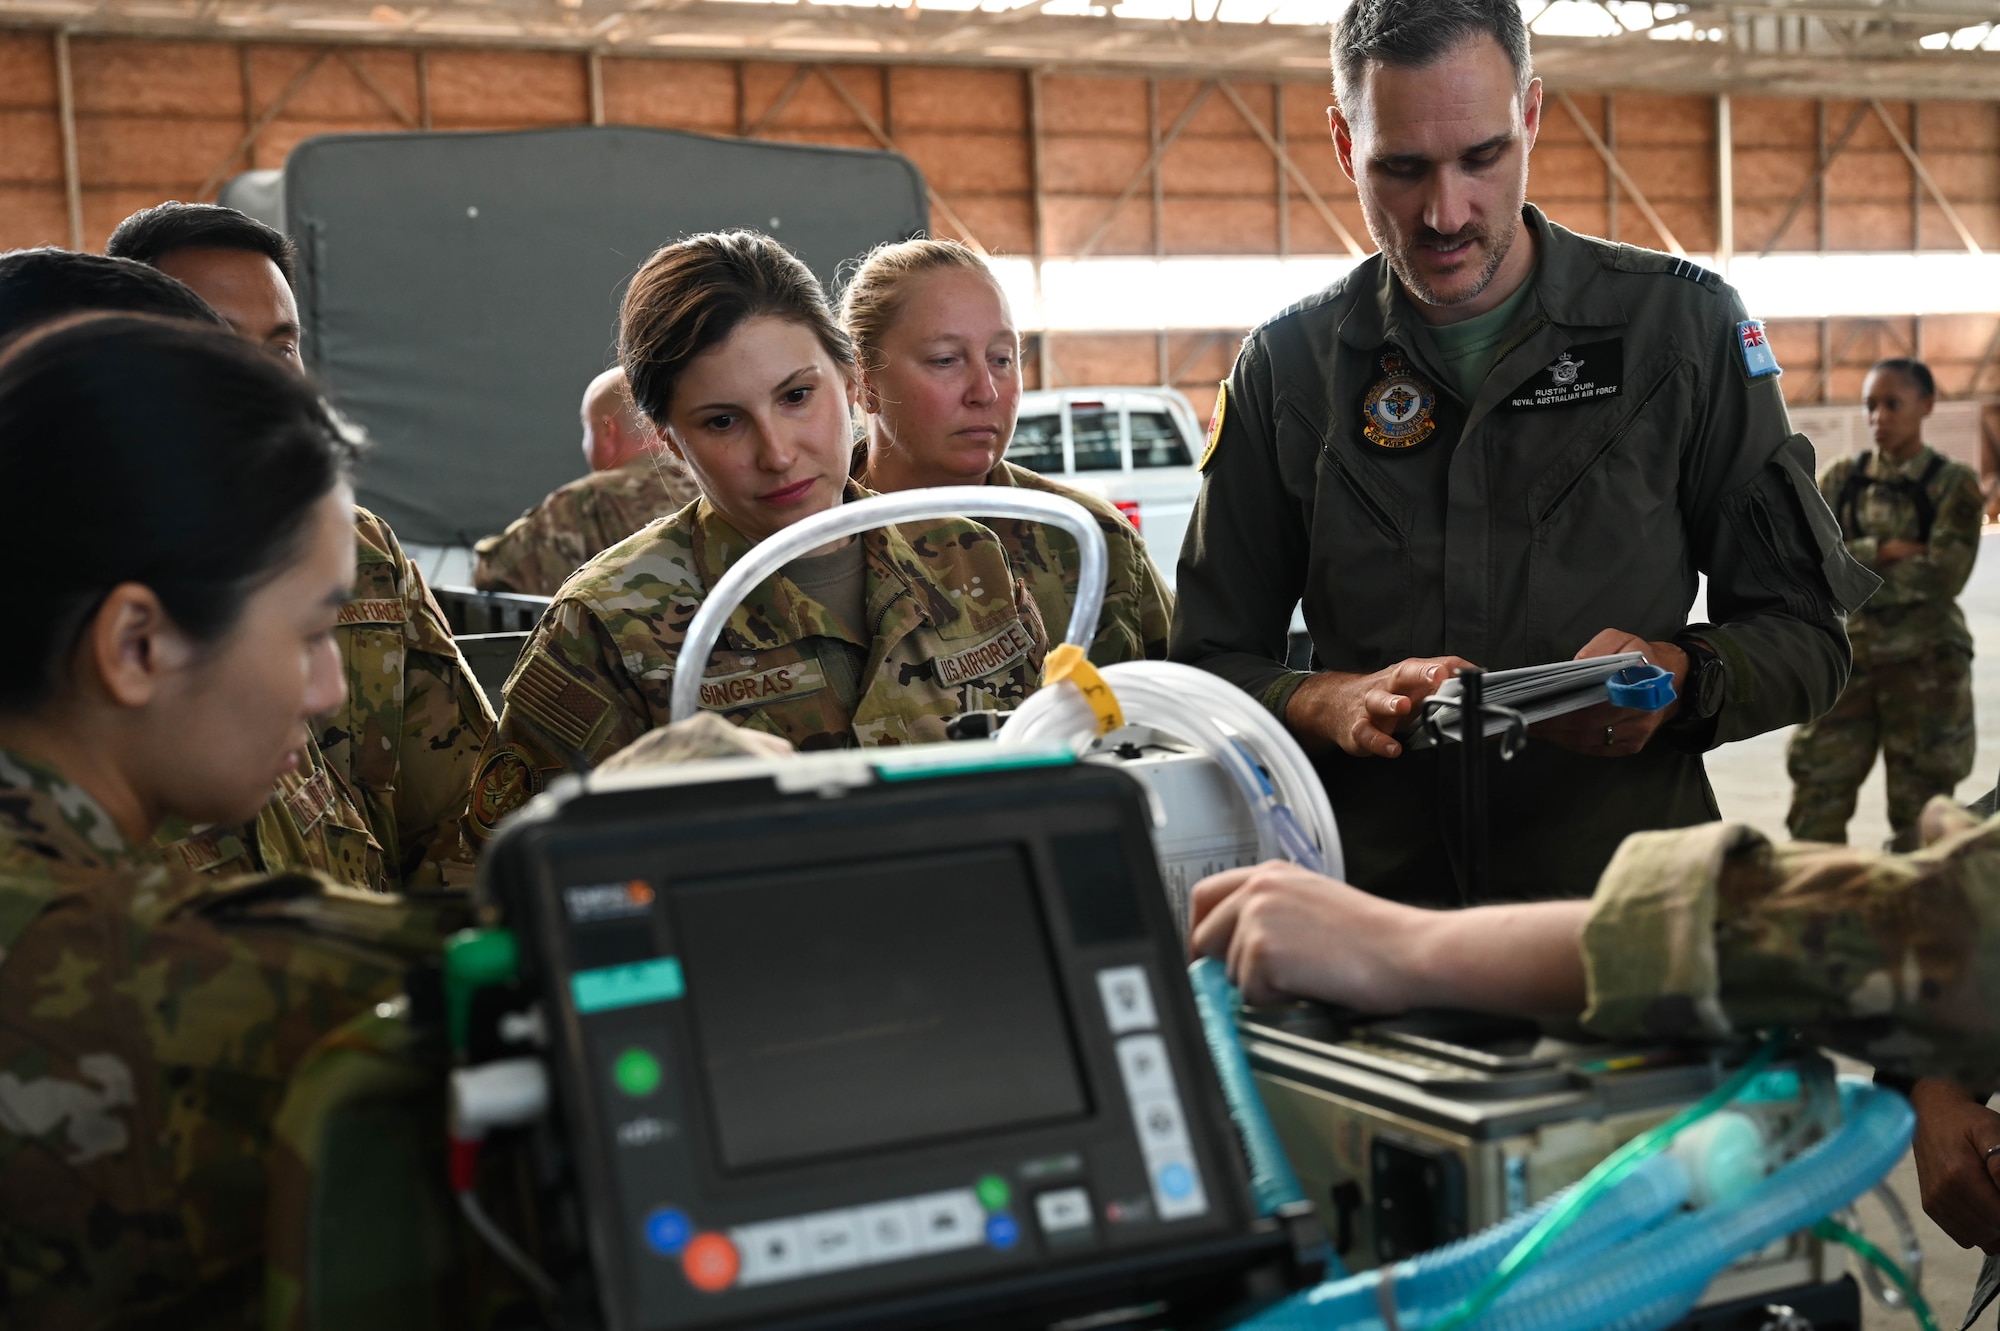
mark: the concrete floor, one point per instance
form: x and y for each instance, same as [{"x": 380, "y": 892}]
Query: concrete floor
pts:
[{"x": 1751, "y": 785}]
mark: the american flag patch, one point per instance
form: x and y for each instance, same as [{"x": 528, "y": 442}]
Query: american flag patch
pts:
[{"x": 1758, "y": 358}]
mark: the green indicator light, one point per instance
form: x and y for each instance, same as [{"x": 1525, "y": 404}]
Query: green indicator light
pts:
[
  {"x": 636, "y": 1072},
  {"x": 993, "y": 1191}
]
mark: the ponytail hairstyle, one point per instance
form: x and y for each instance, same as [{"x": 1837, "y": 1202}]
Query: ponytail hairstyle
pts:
[
  {"x": 874, "y": 295},
  {"x": 149, "y": 451},
  {"x": 690, "y": 296}
]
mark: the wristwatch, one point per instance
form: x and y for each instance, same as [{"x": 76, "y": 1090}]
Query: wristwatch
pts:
[{"x": 1707, "y": 683}]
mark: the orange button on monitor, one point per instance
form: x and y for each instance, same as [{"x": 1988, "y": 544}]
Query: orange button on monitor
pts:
[{"x": 710, "y": 1262}]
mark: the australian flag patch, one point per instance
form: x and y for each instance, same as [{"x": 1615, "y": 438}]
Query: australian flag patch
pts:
[{"x": 1759, "y": 360}]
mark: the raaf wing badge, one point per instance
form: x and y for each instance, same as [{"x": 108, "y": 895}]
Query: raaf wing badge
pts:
[
  {"x": 1397, "y": 411},
  {"x": 1215, "y": 425}
]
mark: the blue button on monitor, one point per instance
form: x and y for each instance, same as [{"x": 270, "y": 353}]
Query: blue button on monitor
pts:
[
  {"x": 1175, "y": 1181},
  {"x": 668, "y": 1231},
  {"x": 1002, "y": 1232}
]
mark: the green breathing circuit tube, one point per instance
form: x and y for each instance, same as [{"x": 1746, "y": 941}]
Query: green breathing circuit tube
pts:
[
  {"x": 1600, "y": 1180},
  {"x": 1835, "y": 1232}
]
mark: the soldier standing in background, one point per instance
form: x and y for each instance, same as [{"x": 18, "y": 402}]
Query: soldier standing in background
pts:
[
  {"x": 1912, "y": 516},
  {"x": 633, "y": 480}
]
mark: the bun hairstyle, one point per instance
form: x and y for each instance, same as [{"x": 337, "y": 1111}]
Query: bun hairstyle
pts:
[
  {"x": 151, "y": 451},
  {"x": 874, "y": 295},
  {"x": 1915, "y": 371},
  {"x": 690, "y": 296}
]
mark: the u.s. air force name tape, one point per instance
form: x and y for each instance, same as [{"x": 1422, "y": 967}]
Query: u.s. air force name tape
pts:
[{"x": 997, "y": 652}]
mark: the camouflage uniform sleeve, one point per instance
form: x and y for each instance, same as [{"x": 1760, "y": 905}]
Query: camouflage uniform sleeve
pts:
[
  {"x": 1941, "y": 572},
  {"x": 570, "y": 703},
  {"x": 1894, "y": 959},
  {"x": 445, "y": 723},
  {"x": 1122, "y": 627},
  {"x": 154, "y": 1023},
  {"x": 1038, "y": 628},
  {"x": 1138, "y": 608},
  {"x": 537, "y": 552},
  {"x": 1156, "y": 606}
]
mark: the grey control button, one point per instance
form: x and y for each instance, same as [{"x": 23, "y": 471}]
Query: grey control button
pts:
[
  {"x": 945, "y": 1221},
  {"x": 771, "y": 1251},
  {"x": 1161, "y": 1127},
  {"x": 1128, "y": 999},
  {"x": 832, "y": 1240},
  {"x": 1142, "y": 1061},
  {"x": 886, "y": 1232},
  {"x": 1063, "y": 1212}
]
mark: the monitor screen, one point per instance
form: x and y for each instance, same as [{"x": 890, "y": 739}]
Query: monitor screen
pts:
[{"x": 825, "y": 1029}]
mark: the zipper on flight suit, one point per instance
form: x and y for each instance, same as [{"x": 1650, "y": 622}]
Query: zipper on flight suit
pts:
[{"x": 1611, "y": 441}]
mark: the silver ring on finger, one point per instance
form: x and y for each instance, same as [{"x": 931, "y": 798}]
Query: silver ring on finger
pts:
[
  {"x": 1992, "y": 1151},
  {"x": 1610, "y": 737}
]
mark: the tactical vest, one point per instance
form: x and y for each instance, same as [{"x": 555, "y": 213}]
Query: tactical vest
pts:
[{"x": 1847, "y": 504}]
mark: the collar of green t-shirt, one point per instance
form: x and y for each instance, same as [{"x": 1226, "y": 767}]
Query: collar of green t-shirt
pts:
[{"x": 1468, "y": 349}]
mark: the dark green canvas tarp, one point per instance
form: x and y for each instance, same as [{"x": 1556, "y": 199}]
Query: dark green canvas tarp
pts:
[{"x": 459, "y": 290}]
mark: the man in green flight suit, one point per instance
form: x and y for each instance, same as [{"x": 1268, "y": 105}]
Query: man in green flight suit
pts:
[
  {"x": 1912, "y": 515},
  {"x": 1501, "y": 443}
]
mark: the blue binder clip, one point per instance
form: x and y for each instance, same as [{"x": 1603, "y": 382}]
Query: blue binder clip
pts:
[{"x": 1644, "y": 688}]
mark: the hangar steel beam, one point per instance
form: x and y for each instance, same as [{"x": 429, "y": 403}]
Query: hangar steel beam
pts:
[
  {"x": 1930, "y": 182},
  {"x": 1617, "y": 167},
  {"x": 66, "y": 114},
  {"x": 882, "y": 137},
  {"x": 1284, "y": 159},
  {"x": 270, "y": 113},
  {"x": 1089, "y": 247}
]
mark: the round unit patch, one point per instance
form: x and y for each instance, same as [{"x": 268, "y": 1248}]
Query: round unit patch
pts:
[
  {"x": 504, "y": 784},
  {"x": 1396, "y": 413}
]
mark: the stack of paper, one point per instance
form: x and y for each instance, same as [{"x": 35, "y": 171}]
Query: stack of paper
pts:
[{"x": 1536, "y": 692}]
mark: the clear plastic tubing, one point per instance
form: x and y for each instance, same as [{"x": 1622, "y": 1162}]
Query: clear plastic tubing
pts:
[
  {"x": 1643, "y": 1280},
  {"x": 1212, "y": 714},
  {"x": 945, "y": 501},
  {"x": 1424, "y": 1285}
]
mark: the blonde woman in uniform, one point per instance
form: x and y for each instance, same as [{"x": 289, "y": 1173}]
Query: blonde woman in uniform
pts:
[{"x": 940, "y": 363}]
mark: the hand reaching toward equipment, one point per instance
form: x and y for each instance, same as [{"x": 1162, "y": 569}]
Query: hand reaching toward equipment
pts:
[{"x": 1285, "y": 932}]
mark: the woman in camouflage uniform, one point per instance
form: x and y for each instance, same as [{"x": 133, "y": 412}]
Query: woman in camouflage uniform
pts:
[
  {"x": 191, "y": 537},
  {"x": 733, "y": 353},
  {"x": 940, "y": 367},
  {"x": 1910, "y": 516}
]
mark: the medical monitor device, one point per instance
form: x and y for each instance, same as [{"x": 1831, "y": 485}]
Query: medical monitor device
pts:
[{"x": 870, "y": 1040}]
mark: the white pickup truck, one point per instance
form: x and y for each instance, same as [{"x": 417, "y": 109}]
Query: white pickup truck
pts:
[{"x": 1135, "y": 447}]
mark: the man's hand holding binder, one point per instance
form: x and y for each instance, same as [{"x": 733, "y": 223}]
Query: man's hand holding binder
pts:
[
  {"x": 1605, "y": 731},
  {"x": 1363, "y": 713}
]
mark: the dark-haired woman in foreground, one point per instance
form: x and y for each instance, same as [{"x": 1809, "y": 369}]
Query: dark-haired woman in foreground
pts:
[
  {"x": 192, "y": 541},
  {"x": 733, "y": 353}
]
